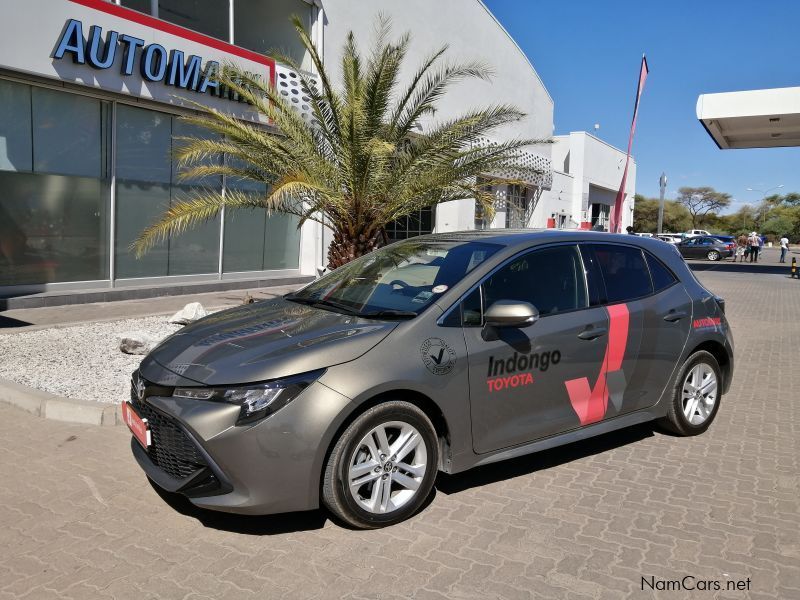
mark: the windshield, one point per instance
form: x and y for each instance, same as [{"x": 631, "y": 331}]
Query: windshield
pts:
[{"x": 400, "y": 280}]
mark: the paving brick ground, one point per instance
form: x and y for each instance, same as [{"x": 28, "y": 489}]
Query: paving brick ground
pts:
[{"x": 79, "y": 519}]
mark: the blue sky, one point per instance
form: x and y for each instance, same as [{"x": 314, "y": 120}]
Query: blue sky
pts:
[{"x": 588, "y": 53}]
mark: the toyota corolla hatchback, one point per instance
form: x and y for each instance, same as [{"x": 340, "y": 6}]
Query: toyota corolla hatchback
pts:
[{"x": 438, "y": 353}]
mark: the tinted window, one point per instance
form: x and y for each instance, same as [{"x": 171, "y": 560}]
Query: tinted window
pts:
[
  {"x": 551, "y": 279},
  {"x": 662, "y": 277},
  {"x": 624, "y": 271}
]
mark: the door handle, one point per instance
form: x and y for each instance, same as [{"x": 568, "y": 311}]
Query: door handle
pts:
[
  {"x": 592, "y": 333},
  {"x": 673, "y": 316}
]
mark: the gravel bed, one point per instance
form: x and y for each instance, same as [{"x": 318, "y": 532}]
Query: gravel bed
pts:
[{"x": 80, "y": 361}]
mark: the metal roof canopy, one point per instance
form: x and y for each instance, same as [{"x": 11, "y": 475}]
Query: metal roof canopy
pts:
[{"x": 752, "y": 119}]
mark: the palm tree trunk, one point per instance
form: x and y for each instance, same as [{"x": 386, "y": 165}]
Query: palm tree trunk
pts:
[{"x": 347, "y": 246}]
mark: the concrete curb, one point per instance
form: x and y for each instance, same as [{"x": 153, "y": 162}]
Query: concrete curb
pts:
[{"x": 49, "y": 406}]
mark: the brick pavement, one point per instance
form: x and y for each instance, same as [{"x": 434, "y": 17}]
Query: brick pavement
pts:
[{"x": 79, "y": 519}]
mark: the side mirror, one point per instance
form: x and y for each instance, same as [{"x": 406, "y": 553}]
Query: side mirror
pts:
[{"x": 510, "y": 313}]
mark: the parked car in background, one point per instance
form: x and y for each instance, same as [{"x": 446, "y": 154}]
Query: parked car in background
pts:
[
  {"x": 694, "y": 232},
  {"x": 705, "y": 247},
  {"x": 645, "y": 235},
  {"x": 672, "y": 238},
  {"x": 728, "y": 240}
]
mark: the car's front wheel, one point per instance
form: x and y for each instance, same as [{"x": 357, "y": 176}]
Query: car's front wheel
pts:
[
  {"x": 382, "y": 467},
  {"x": 713, "y": 255},
  {"x": 696, "y": 395}
]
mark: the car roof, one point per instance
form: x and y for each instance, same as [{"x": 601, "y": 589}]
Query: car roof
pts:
[{"x": 512, "y": 238}]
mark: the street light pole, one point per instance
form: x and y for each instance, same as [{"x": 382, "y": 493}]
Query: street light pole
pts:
[
  {"x": 662, "y": 183},
  {"x": 763, "y": 196}
]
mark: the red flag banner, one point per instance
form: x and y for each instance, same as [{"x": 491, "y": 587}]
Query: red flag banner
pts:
[{"x": 616, "y": 214}]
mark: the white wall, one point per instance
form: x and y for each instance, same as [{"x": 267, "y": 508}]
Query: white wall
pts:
[
  {"x": 589, "y": 162},
  {"x": 472, "y": 33}
]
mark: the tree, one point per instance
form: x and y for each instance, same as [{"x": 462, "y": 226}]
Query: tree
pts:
[
  {"x": 359, "y": 163},
  {"x": 645, "y": 215},
  {"x": 701, "y": 201}
]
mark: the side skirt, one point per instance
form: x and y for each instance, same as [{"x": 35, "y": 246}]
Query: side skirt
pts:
[{"x": 635, "y": 418}]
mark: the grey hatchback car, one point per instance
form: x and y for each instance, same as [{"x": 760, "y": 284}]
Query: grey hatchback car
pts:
[{"x": 438, "y": 353}]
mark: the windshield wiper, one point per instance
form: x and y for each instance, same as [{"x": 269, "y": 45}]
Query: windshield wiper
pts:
[
  {"x": 328, "y": 303},
  {"x": 388, "y": 314}
]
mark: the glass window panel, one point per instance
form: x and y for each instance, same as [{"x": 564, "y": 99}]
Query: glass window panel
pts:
[
  {"x": 16, "y": 149},
  {"x": 52, "y": 228},
  {"x": 243, "y": 249},
  {"x": 281, "y": 242},
  {"x": 624, "y": 272},
  {"x": 205, "y": 16},
  {"x": 661, "y": 275},
  {"x": 263, "y": 26},
  {"x": 140, "y": 5},
  {"x": 183, "y": 129},
  {"x": 67, "y": 137},
  {"x": 196, "y": 250},
  {"x": 551, "y": 279},
  {"x": 138, "y": 205},
  {"x": 143, "y": 145}
]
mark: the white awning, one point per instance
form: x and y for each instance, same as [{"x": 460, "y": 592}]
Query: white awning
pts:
[{"x": 752, "y": 119}]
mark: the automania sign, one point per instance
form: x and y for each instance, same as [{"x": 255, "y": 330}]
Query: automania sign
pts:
[{"x": 152, "y": 61}]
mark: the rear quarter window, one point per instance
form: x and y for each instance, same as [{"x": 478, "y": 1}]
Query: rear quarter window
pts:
[{"x": 660, "y": 274}]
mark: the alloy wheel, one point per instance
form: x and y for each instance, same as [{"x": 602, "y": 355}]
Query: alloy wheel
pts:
[
  {"x": 387, "y": 467},
  {"x": 699, "y": 393},
  {"x": 713, "y": 255}
]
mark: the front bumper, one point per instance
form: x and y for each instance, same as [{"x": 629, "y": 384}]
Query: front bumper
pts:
[{"x": 271, "y": 466}]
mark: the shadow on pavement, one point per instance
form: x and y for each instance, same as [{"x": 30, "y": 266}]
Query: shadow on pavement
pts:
[
  {"x": 445, "y": 484},
  {"x": 245, "y": 524},
  {"x": 531, "y": 463},
  {"x": 6, "y": 322},
  {"x": 745, "y": 267}
]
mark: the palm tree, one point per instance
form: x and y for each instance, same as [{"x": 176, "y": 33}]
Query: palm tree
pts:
[{"x": 358, "y": 164}]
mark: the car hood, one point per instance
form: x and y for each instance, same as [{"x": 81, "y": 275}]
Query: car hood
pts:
[{"x": 261, "y": 341}]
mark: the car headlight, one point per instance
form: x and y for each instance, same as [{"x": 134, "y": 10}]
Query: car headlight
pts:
[{"x": 257, "y": 401}]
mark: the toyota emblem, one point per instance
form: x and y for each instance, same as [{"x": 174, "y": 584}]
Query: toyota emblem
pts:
[{"x": 139, "y": 386}]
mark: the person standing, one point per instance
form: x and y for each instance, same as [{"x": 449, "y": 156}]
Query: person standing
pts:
[
  {"x": 754, "y": 242},
  {"x": 784, "y": 247},
  {"x": 741, "y": 248}
]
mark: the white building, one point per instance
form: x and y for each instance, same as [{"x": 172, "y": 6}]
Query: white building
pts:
[{"x": 91, "y": 91}]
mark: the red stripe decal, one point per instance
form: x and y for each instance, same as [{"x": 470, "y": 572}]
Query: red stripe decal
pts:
[{"x": 590, "y": 404}]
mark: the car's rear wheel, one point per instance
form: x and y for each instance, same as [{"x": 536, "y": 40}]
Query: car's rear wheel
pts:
[
  {"x": 697, "y": 391},
  {"x": 713, "y": 255},
  {"x": 383, "y": 466}
]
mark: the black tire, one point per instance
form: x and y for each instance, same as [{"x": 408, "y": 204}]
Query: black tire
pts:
[
  {"x": 713, "y": 255},
  {"x": 675, "y": 419},
  {"x": 335, "y": 492}
]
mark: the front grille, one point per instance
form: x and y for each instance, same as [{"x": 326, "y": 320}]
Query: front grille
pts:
[{"x": 171, "y": 449}]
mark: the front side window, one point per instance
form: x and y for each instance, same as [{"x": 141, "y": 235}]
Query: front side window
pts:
[
  {"x": 402, "y": 278},
  {"x": 624, "y": 271},
  {"x": 551, "y": 279}
]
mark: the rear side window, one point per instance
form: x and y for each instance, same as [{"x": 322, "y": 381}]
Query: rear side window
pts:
[
  {"x": 624, "y": 271},
  {"x": 661, "y": 275}
]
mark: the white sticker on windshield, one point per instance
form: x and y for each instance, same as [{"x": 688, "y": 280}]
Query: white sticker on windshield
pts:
[
  {"x": 422, "y": 297},
  {"x": 439, "y": 289}
]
